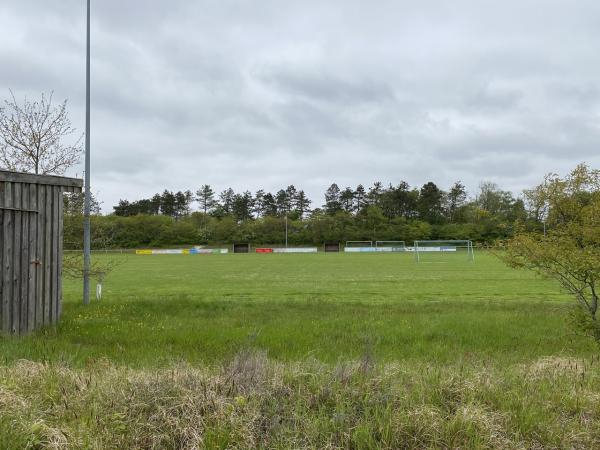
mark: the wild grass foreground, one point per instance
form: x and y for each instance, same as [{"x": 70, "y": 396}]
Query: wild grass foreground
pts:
[{"x": 254, "y": 402}]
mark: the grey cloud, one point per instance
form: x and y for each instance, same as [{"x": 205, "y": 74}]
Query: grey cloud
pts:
[
  {"x": 264, "y": 94},
  {"x": 321, "y": 87},
  {"x": 493, "y": 99}
]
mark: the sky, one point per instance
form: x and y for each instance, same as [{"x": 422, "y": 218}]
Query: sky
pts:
[{"x": 264, "y": 94}]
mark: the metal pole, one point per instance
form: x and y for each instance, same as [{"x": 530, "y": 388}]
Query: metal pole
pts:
[{"x": 86, "y": 208}]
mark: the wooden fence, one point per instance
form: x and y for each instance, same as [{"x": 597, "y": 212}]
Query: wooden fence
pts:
[{"x": 31, "y": 249}]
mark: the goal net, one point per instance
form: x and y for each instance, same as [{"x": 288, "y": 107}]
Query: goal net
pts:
[
  {"x": 357, "y": 244},
  {"x": 443, "y": 250},
  {"x": 390, "y": 246}
]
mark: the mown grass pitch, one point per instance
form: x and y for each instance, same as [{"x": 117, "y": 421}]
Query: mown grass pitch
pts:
[{"x": 157, "y": 310}]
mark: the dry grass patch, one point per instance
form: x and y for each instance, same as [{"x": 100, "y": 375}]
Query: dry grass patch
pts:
[{"x": 253, "y": 402}]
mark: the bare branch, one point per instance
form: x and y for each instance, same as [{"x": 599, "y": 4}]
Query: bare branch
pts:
[{"x": 32, "y": 135}]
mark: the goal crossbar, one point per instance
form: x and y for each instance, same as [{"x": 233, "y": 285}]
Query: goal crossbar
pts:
[{"x": 443, "y": 245}]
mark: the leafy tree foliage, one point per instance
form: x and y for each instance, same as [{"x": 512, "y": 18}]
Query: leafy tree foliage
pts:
[
  {"x": 399, "y": 212},
  {"x": 570, "y": 249},
  {"x": 173, "y": 204},
  {"x": 73, "y": 204}
]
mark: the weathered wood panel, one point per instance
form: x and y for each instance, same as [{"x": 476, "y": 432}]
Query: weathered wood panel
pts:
[
  {"x": 46, "y": 237},
  {"x": 33, "y": 259},
  {"x": 60, "y": 242},
  {"x": 2, "y": 234},
  {"x": 25, "y": 250},
  {"x": 56, "y": 254},
  {"x": 39, "y": 282},
  {"x": 17, "y": 250},
  {"x": 7, "y": 256},
  {"x": 31, "y": 249}
]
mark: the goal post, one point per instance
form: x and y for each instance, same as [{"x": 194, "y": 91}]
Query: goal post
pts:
[{"x": 457, "y": 247}]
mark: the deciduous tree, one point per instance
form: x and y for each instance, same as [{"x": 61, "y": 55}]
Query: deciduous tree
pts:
[
  {"x": 570, "y": 251},
  {"x": 33, "y": 136}
]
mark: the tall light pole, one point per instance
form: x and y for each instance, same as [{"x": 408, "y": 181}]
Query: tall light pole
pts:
[{"x": 86, "y": 206}]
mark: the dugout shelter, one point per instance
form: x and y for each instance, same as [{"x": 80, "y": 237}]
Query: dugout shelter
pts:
[
  {"x": 243, "y": 247},
  {"x": 31, "y": 249}
]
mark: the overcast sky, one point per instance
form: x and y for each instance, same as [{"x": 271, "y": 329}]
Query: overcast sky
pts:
[{"x": 263, "y": 94}]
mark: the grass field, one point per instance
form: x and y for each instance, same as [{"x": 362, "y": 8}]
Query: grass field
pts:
[
  {"x": 305, "y": 351},
  {"x": 161, "y": 309}
]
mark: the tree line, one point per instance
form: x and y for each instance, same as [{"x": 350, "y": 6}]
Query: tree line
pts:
[
  {"x": 428, "y": 203},
  {"x": 379, "y": 212}
]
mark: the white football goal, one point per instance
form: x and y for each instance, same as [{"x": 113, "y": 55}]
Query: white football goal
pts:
[
  {"x": 455, "y": 248},
  {"x": 359, "y": 246}
]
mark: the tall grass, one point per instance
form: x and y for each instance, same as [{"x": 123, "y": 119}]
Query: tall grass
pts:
[{"x": 254, "y": 402}]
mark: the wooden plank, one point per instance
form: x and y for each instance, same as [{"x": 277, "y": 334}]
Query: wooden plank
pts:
[
  {"x": 47, "y": 240},
  {"x": 59, "y": 252},
  {"x": 55, "y": 254},
  {"x": 2, "y": 214},
  {"x": 39, "y": 282},
  {"x": 7, "y": 239},
  {"x": 16, "y": 261},
  {"x": 1, "y": 252},
  {"x": 19, "y": 177},
  {"x": 24, "y": 275},
  {"x": 33, "y": 258}
]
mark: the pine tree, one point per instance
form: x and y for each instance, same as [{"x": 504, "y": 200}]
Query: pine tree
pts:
[
  {"x": 455, "y": 200},
  {"x": 283, "y": 202},
  {"x": 242, "y": 205},
  {"x": 205, "y": 196},
  {"x": 375, "y": 192},
  {"x": 259, "y": 208},
  {"x": 167, "y": 203},
  {"x": 360, "y": 198},
  {"x": 226, "y": 198},
  {"x": 302, "y": 204},
  {"x": 269, "y": 205},
  {"x": 430, "y": 203},
  {"x": 347, "y": 199},
  {"x": 332, "y": 199}
]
